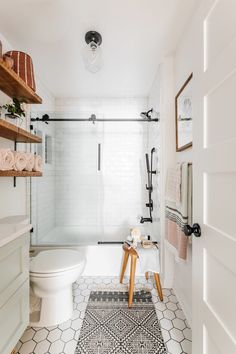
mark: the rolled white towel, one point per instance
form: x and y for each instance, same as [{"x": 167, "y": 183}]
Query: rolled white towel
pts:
[
  {"x": 20, "y": 161},
  {"x": 30, "y": 161},
  {"x": 6, "y": 160},
  {"x": 38, "y": 164}
]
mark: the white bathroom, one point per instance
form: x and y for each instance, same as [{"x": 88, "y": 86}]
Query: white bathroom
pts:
[{"x": 117, "y": 177}]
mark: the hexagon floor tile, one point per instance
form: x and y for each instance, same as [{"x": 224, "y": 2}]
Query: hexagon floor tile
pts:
[{"x": 62, "y": 339}]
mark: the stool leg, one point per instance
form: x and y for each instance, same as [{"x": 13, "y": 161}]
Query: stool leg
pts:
[
  {"x": 158, "y": 285},
  {"x": 146, "y": 275},
  {"x": 132, "y": 276},
  {"x": 125, "y": 261}
]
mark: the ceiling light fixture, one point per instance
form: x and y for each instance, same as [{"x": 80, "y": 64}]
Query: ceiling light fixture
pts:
[{"x": 92, "y": 53}]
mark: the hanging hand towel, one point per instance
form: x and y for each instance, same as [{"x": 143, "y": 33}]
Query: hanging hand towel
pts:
[
  {"x": 178, "y": 214},
  {"x": 149, "y": 259},
  {"x": 173, "y": 184},
  {"x": 6, "y": 160}
]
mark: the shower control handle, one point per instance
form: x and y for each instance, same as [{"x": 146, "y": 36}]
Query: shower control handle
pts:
[
  {"x": 149, "y": 205},
  {"x": 195, "y": 229}
]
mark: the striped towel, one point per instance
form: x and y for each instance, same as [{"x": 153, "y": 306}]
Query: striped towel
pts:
[
  {"x": 173, "y": 184},
  {"x": 179, "y": 213}
]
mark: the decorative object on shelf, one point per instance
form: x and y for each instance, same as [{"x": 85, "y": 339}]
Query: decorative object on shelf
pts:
[
  {"x": 20, "y": 161},
  {"x": 136, "y": 236},
  {"x": 14, "y": 109},
  {"x": 8, "y": 60},
  {"x": 92, "y": 53},
  {"x": 18, "y": 135},
  {"x": 38, "y": 164},
  {"x": 30, "y": 162},
  {"x": 184, "y": 116},
  {"x": 7, "y": 160},
  {"x": 13, "y": 85},
  {"x": 23, "y": 66}
]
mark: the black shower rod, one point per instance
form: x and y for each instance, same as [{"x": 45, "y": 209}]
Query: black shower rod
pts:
[{"x": 93, "y": 120}]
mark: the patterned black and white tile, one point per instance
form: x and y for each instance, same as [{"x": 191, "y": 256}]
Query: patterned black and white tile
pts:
[{"x": 63, "y": 339}]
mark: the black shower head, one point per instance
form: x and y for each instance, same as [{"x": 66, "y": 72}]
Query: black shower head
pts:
[{"x": 147, "y": 115}]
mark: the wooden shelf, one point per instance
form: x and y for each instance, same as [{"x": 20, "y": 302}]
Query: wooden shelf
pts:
[
  {"x": 12, "y": 132},
  {"x": 12, "y": 85},
  {"x": 20, "y": 174}
]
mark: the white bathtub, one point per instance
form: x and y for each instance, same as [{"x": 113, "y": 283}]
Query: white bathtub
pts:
[{"x": 102, "y": 259}]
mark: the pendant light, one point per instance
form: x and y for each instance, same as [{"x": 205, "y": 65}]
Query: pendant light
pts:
[{"x": 92, "y": 53}]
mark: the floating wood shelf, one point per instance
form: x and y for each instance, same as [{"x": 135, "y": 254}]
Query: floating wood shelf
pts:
[
  {"x": 12, "y": 132},
  {"x": 20, "y": 174},
  {"x": 13, "y": 86}
]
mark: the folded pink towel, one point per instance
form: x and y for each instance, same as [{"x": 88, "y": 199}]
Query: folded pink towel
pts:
[
  {"x": 30, "y": 161},
  {"x": 38, "y": 164},
  {"x": 6, "y": 160},
  {"x": 20, "y": 161}
]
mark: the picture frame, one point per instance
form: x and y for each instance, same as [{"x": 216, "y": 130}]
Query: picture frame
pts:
[{"x": 183, "y": 116}]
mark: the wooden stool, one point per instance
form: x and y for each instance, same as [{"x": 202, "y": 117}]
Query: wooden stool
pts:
[{"x": 133, "y": 254}]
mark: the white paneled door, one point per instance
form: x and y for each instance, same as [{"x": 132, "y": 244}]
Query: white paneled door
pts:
[{"x": 214, "y": 253}]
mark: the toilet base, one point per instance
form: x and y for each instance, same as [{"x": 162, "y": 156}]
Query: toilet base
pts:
[{"x": 55, "y": 309}]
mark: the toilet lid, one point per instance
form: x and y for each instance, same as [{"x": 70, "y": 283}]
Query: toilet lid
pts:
[{"x": 53, "y": 261}]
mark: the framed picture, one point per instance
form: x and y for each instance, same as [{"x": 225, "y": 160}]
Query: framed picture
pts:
[{"x": 183, "y": 116}]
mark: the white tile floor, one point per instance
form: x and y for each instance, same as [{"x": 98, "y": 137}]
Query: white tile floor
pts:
[{"x": 62, "y": 339}]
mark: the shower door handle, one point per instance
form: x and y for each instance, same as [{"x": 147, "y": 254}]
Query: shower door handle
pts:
[{"x": 99, "y": 157}]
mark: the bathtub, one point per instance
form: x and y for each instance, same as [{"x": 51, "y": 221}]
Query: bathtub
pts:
[{"x": 102, "y": 259}]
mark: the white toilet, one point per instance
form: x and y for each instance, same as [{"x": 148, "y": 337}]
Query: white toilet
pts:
[{"x": 52, "y": 274}]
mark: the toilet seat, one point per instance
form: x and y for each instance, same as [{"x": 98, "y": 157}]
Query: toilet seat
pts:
[{"x": 55, "y": 262}]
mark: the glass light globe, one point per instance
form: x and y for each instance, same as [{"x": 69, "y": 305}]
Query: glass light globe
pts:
[{"x": 92, "y": 56}]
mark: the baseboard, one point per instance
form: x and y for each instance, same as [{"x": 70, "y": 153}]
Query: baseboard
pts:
[{"x": 186, "y": 310}]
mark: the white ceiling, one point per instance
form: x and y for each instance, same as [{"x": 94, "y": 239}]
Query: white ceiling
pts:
[{"x": 136, "y": 34}]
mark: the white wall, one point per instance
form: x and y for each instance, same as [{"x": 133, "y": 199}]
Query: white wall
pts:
[
  {"x": 183, "y": 67},
  {"x": 187, "y": 60},
  {"x": 172, "y": 74}
]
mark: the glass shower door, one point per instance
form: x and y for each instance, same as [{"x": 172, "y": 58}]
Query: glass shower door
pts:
[
  {"x": 74, "y": 209},
  {"x": 77, "y": 182}
]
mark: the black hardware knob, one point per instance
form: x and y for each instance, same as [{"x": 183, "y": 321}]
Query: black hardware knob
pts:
[{"x": 195, "y": 229}]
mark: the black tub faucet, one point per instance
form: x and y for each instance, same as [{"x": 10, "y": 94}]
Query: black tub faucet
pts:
[{"x": 143, "y": 220}]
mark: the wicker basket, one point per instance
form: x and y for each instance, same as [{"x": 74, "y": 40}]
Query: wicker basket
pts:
[{"x": 23, "y": 66}]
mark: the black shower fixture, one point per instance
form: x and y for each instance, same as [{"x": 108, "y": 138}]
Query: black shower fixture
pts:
[
  {"x": 148, "y": 115},
  {"x": 143, "y": 220},
  {"x": 149, "y": 187}
]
